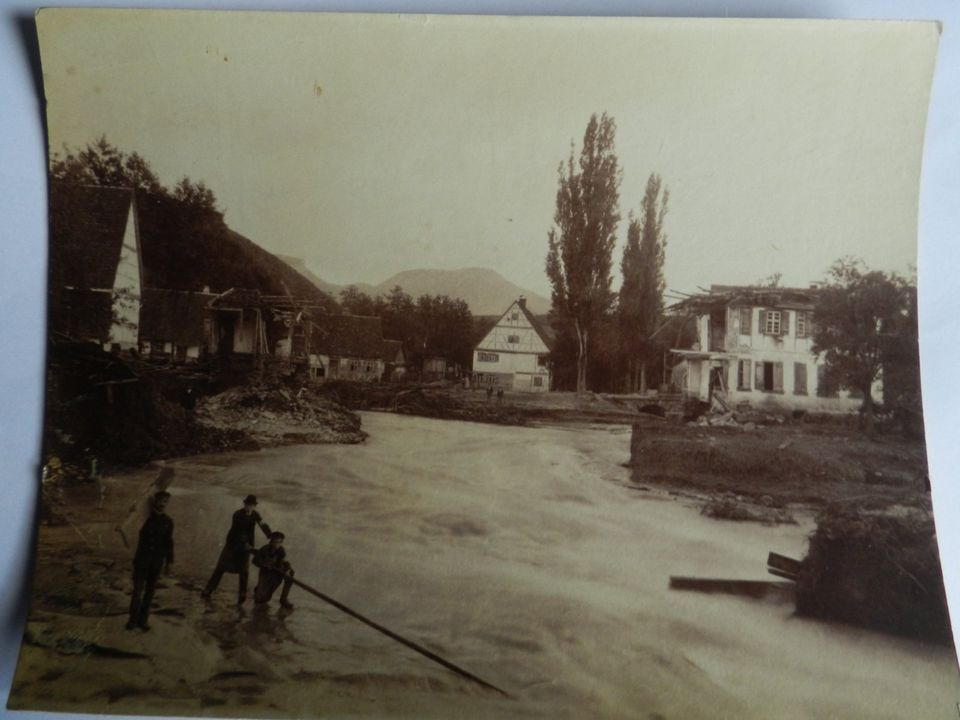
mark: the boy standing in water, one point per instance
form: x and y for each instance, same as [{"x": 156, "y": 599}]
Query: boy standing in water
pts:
[
  {"x": 271, "y": 559},
  {"x": 235, "y": 556}
]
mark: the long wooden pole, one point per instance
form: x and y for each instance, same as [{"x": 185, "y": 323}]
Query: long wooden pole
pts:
[{"x": 394, "y": 636}]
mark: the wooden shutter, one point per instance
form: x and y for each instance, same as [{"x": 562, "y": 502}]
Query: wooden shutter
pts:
[
  {"x": 763, "y": 322},
  {"x": 785, "y": 322},
  {"x": 799, "y": 379},
  {"x": 743, "y": 376},
  {"x": 746, "y": 321},
  {"x": 758, "y": 376},
  {"x": 778, "y": 377}
]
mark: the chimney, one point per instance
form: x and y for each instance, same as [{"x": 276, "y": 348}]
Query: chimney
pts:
[{"x": 522, "y": 302}]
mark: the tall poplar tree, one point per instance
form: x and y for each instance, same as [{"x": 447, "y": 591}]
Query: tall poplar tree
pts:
[
  {"x": 640, "y": 303},
  {"x": 581, "y": 242}
]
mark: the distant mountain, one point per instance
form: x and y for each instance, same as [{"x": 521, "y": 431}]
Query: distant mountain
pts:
[
  {"x": 301, "y": 267},
  {"x": 486, "y": 291}
]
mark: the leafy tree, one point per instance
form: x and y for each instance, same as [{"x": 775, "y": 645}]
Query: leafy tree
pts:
[
  {"x": 445, "y": 328},
  {"x": 580, "y": 245},
  {"x": 100, "y": 163},
  {"x": 640, "y": 304},
  {"x": 398, "y": 313},
  {"x": 356, "y": 302},
  {"x": 861, "y": 317}
]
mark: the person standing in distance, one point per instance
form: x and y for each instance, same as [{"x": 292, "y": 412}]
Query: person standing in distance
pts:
[
  {"x": 235, "y": 556},
  {"x": 154, "y": 551}
]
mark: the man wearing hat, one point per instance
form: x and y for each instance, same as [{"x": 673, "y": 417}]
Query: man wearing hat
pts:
[
  {"x": 154, "y": 552},
  {"x": 235, "y": 556}
]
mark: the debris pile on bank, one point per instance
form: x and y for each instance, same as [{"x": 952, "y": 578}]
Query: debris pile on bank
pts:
[
  {"x": 440, "y": 403},
  {"x": 433, "y": 400},
  {"x": 277, "y": 415},
  {"x": 103, "y": 410},
  {"x": 730, "y": 506},
  {"x": 880, "y": 571}
]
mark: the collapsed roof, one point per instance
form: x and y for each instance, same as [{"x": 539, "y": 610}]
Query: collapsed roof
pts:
[{"x": 721, "y": 296}]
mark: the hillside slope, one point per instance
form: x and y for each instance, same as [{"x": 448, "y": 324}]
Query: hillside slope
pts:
[{"x": 188, "y": 249}]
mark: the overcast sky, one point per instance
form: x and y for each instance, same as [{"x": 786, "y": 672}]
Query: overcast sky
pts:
[{"x": 373, "y": 144}]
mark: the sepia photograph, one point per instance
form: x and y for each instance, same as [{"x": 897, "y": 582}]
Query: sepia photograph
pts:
[{"x": 432, "y": 366}]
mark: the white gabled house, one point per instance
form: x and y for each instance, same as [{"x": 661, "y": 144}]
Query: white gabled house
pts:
[
  {"x": 755, "y": 348},
  {"x": 514, "y": 354}
]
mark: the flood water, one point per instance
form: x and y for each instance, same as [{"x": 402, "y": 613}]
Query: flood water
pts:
[{"x": 519, "y": 554}]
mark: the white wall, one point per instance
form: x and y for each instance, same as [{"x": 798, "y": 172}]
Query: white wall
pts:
[{"x": 124, "y": 331}]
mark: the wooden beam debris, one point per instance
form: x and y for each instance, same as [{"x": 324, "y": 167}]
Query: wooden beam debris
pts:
[
  {"x": 399, "y": 638},
  {"x": 756, "y": 589},
  {"x": 782, "y": 566}
]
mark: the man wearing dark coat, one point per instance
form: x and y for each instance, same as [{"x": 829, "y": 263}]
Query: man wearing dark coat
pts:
[
  {"x": 274, "y": 569},
  {"x": 154, "y": 550},
  {"x": 235, "y": 556}
]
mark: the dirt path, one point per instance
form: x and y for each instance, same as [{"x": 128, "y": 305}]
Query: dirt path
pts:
[{"x": 518, "y": 553}]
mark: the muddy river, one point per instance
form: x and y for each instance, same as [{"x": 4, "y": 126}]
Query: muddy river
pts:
[{"x": 521, "y": 554}]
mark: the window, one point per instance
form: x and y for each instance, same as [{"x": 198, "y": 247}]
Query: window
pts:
[
  {"x": 743, "y": 374},
  {"x": 804, "y": 326},
  {"x": 488, "y": 357},
  {"x": 799, "y": 377},
  {"x": 769, "y": 377},
  {"x": 746, "y": 322},
  {"x": 542, "y": 360},
  {"x": 515, "y": 316},
  {"x": 513, "y": 339},
  {"x": 538, "y": 381},
  {"x": 771, "y": 322}
]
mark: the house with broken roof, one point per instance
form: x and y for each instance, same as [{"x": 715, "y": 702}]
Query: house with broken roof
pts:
[
  {"x": 514, "y": 354},
  {"x": 251, "y": 328},
  {"x": 346, "y": 347},
  {"x": 96, "y": 273},
  {"x": 176, "y": 326},
  {"x": 754, "y": 348}
]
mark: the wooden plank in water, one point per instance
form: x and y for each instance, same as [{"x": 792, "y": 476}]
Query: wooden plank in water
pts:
[
  {"x": 782, "y": 566},
  {"x": 744, "y": 588}
]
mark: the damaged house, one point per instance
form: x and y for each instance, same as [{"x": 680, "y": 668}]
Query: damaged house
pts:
[
  {"x": 755, "y": 348},
  {"x": 96, "y": 272},
  {"x": 176, "y": 326},
  {"x": 346, "y": 347}
]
